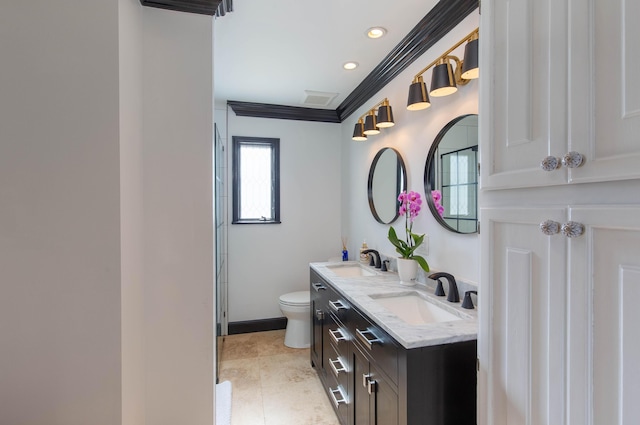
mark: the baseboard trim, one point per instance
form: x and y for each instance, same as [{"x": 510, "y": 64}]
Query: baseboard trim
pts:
[{"x": 261, "y": 325}]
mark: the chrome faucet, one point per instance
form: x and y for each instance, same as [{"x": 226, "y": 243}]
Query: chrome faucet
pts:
[
  {"x": 377, "y": 264},
  {"x": 454, "y": 296}
]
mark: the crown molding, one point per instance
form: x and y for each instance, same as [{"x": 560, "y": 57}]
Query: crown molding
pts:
[
  {"x": 201, "y": 7},
  {"x": 266, "y": 110}
]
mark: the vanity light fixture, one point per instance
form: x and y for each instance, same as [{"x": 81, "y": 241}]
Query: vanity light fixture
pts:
[
  {"x": 370, "y": 124},
  {"x": 358, "y": 132},
  {"x": 444, "y": 79},
  {"x": 385, "y": 115}
]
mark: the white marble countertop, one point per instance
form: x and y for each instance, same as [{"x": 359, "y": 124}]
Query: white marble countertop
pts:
[{"x": 358, "y": 290}]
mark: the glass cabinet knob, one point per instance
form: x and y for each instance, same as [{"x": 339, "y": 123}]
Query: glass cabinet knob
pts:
[
  {"x": 550, "y": 227},
  {"x": 572, "y": 229},
  {"x": 572, "y": 159},
  {"x": 550, "y": 163}
]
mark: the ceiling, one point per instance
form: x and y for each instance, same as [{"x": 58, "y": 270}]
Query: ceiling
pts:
[{"x": 271, "y": 52}]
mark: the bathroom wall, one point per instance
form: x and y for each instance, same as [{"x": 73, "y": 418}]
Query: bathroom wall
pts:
[
  {"x": 130, "y": 15},
  {"x": 178, "y": 216},
  {"x": 60, "y": 349},
  {"x": 412, "y": 137},
  {"x": 106, "y": 220},
  {"x": 266, "y": 261}
]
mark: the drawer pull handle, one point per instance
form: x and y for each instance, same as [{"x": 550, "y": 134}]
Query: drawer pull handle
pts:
[
  {"x": 339, "y": 337},
  {"x": 368, "y": 341},
  {"x": 318, "y": 286},
  {"x": 320, "y": 314},
  {"x": 337, "y": 305},
  {"x": 335, "y": 368},
  {"x": 337, "y": 401}
]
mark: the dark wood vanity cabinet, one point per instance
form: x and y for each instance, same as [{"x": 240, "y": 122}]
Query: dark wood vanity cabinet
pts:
[{"x": 371, "y": 379}]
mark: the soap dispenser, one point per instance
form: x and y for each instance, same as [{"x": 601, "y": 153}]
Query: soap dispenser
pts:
[{"x": 364, "y": 258}]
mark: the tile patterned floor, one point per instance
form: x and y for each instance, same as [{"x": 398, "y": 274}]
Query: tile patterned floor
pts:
[{"x": 272, "y": 384}]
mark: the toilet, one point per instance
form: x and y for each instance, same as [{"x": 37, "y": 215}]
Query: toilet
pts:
[{"x": 295, "y": 306}]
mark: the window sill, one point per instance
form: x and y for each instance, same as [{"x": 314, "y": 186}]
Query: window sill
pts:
[{"x": 255, "y": 222}]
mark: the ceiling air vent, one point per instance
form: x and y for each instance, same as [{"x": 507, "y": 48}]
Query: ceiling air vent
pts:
[{"x": 318, "y": 98}]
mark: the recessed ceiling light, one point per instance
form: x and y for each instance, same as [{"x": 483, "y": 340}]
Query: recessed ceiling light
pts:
[
  {"x": 350, "y": 65},
  {"x": 376, "y": 32}
]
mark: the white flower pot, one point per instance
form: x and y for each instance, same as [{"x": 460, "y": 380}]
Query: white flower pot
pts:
[{"x": 407, "y": 270}]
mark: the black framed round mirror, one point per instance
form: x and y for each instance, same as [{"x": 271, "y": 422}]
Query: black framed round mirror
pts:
[
  {"x": 387, "y": 178},
  {"x": 451, "y": 171}
]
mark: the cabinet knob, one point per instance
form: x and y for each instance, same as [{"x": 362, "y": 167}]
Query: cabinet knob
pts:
[
  {"x": 572, "y": 159},
  {"x": 572, "y": 229},
  {"x": 550, "y": 227},
  {"x": 550, "y": 163}
]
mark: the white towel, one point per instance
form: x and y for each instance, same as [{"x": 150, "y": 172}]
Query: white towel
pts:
[{"x": 223, "y": 403}]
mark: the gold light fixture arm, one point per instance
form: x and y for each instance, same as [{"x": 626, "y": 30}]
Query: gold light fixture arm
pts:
[
  {"x": 458, "y": 72},
  {"x": 384, "y": 101}
]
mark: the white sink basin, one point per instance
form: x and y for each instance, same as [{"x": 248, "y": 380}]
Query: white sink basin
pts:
[
  {"x": 415, "y": 310},
  {"x": 350, "y": 270}
]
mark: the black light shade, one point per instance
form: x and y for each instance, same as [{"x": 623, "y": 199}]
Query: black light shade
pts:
[
  {"x": 442, "y": 81},
  {"x": 470, "y": 68},
  {"x": 418, "y": 96},
  {"x": 385, "y": 116},
  {"x": 370, "y": 125},
  {"x": 358, "y": 132}
]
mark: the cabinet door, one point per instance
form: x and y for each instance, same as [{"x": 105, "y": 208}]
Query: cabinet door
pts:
[
  {"x": 521, "y": 343},
  {"x": 604, "y": 340},
  {"x": 605, "y": 89},
  {"x": 524, "y": 51},
  {"x": 564, "y": 78},
  {"x": 317, "y": 322},
  {"x": 375, "y": 401}
]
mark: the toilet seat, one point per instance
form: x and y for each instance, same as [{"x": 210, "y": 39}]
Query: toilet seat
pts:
[{"x": 300, "y": 298}]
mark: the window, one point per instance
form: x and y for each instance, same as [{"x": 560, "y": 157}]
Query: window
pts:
[{"x": 256, "y": 180}]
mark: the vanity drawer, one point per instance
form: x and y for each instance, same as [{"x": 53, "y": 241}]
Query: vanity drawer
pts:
[
  {"x": 337, "y": 305},
  {"x": 376, "y": 342},
  {"x": 337, "y": 334},
  {"x": 339, "y": 397},
  {"x": 338, "y": 366}
]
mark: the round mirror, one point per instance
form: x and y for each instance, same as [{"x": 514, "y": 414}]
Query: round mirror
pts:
[
  {"x": 451, "y": 175},
  {"x": 387, "y": 178}
]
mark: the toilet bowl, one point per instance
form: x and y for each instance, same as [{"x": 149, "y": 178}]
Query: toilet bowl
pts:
[{"x": 295, "y": 306}]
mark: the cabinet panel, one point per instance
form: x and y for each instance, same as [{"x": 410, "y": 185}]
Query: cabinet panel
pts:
[
  {"x": 564, "y": 78},
  {"x": 604, "y": 383},
  {"x": 524, "y": 49},
  {"x": 375, "y": 400},
  {"x": 523, "y": 350},
  {"x": 605, "y": 121}
]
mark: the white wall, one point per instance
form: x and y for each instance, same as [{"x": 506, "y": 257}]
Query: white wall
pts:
[
  {"x": 106, "y": 248},
  {"x": 266, "y": 261},
  {"x": 412, "y": 137},
  {"x": 131, "y": 209},
  {"x": 60, "y": 356},
  {"x": 178, "y": 216}
]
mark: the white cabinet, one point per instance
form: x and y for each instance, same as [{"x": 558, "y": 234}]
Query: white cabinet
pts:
[
  {"x": 559, "y": 339},
  {"x": 559, "y": 76},
  {"x": 603, "y": 317}
]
